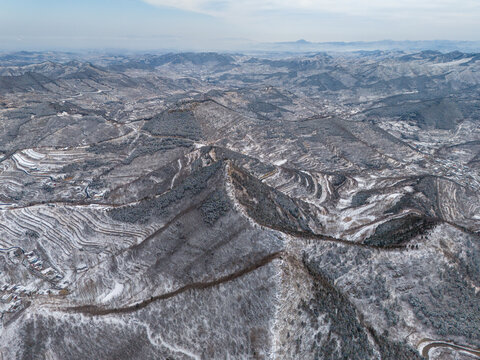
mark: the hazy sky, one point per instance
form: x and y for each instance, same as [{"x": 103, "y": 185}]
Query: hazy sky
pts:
[{"x": 224, "y": 24}]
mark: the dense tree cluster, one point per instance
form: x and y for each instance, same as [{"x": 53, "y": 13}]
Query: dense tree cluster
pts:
[
  {"x": 451, "y": 307},
  {"x": 399, "y": 231},
  {"x": 346, "y": 339},
  {"x": 214, "y": 207},
  {"x": 269, "y": 206},
  {"x": 177, "y": 122},
  {"x": 160, "y": 205}
]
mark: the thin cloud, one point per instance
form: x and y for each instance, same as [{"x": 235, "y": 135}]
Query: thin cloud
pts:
[{"x": 235, "y": 8}]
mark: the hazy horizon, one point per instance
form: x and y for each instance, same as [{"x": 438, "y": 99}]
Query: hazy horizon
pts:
[{"x": 226, "y": 24}]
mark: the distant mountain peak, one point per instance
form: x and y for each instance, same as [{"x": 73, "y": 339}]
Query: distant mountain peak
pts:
[{"x": 302, "y": 41}]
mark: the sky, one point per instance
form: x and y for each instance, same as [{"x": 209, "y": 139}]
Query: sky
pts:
[{"x": 227, "y": 24}]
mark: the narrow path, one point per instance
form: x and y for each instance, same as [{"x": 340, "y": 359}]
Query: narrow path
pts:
[{"x": 94, "y": 310}]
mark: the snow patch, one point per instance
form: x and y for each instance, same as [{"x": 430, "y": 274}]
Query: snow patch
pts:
[
  {"x": 280, "y": 162},
  {"x": 116, "y": 291}
]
